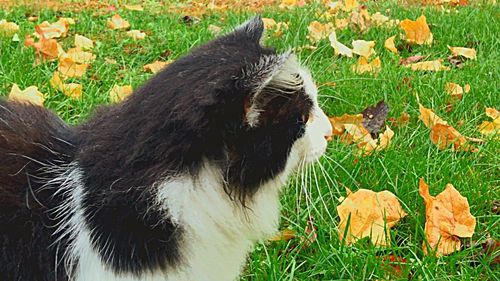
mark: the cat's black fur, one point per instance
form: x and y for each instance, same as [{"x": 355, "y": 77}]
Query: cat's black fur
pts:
[{"x": 192, "y": 111}]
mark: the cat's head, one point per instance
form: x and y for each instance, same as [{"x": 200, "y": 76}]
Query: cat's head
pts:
[{"x": 247, "y": 108}]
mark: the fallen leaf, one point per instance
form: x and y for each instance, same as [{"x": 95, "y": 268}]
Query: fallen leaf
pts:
[
  {"x": 291, "y": 3},
  {"x": 318, "y": 31},
  {"x": 350, "y": 5},
  {"x": 464, "y": 52},
  {"x": 30, "y": 95},
  {"x": 389, "y": 44},
  {"x": 8, "y": 28},
  {"x": 117, "y": 22},
  {"x": 455, "y": 90},
  {"x": 448, "y": 218},
  {"x": 360, "y": 19},
  {"x": 136, "y": 34},
  {"x": 401, "y": 121},
  {"x": 269, "y": 23},
  {"x": 363, "y": 65},
  {"x": 374, "y": 117},
  {"x": 310, "y": 233},
  {"x": 46, "y": 49},
  {"x": 284, "y": 235},
  {"x": 133, "y": 7},
  {"x": 429, "y": 118},
  {"x": 52, "y": 30},
  {"x": 490, "y": 128},
  {"x": 156, "y": 66},
  {"x": 67, "y": 21},
  {"x": 72, "y": 90},
  {"x": 363, "y": 48},
  {"x": 120, "y": 93},
  {"x": 69, "y": 68},
  {"x": 341, "y": 23},
  {"x": 410, "y": 60},
  {"x": 369, "y": 214},
  {"x": 215, "y": 30},
  {"x": 434, "y": 65},
  {"x": 417, "y": 32},
  {"x": 338, "y": 123},
  {"x": 79, "y": 56},
  {"x": 339, "y": 47},
  {"x": 385, "y": 138},
  {"x": 83, "y": 42}
]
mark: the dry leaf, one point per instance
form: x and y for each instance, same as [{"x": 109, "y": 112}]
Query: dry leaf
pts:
[
  {"x": 339, "y": 47},
  {"x": 156, "y": 66},
  {"x": 429, "y": 118},
  {"x": 67, "y": 21},
  {"x": 350, "y": 5},
  {"x": 434, "y": 65},
  {"x": 30, "y": 94},
  {"x": 117, "y": 22},
  {"x": 120, "y": 93},
  {"x": 8, "y": 28},
  {"x": 52, "y": 30},
  {"x": 401, "y": 121},
  {"x": 341, "y": 23},
  {"x": 380, "y": 20},
  {"x": 385, "y": 138},
  {"x": 136, "y": 34},
  {"x": 389, "y": 44},
  {"x": 417, "y": 32},
  {"x": 464, "y": 52},
  {"x": 455, "y": 90},
  {"x": 284, "y": 235},
  {"x": 269, "y": 23},
  {"x": 133, "y": 7},
  {"x": 363, "y": 65},
  {"x": 311, "y": 233},
  {"x": 490, "y": 128},
  {"x": 410, "y": 60},
  {"x": 318, "y": 31},
  {"x": 71, "y": 90},
  {"x": 361, "y": 137},
  {"x": 447, "y": 218},
  {"x": 338, "y": 123},
  {"x": 69, "y": 68},
  {"x": 45, "y": 48},
  {"x": 370, "y": 214},
  {"x": 83, "y": 42},
  {"x": 363, "y": 48},
  {"x": 360, "y": 19},
  {"x": 374, "y": 117},
  {"x": 292, "y": 3},
  {"x": 79, "y": 56},
  {"x": 214, "y": 29}
]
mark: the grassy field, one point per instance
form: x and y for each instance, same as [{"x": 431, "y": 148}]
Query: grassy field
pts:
[{"x": 410, "y": 157}]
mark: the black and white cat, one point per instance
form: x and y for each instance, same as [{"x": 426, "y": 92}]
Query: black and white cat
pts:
[{"x": 177, "y": 183}]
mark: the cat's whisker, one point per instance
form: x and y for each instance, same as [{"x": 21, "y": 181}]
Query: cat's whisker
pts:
[
  {"x": 331, "y": 160},
  {"x": 320, "y": 195}
]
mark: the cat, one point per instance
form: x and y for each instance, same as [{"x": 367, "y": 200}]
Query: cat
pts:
[{"x": 176, "y": 183}]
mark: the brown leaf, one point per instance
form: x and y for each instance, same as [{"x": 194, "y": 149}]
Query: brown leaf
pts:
[
  {"x": 455, "y": 90},
  {"x": 30, "y": 95},
  {"x": 370, "y": 214},
  {"x": 363, "y": 66},
  {"x": 417, "y": 32},
  {"x": 401, "y": 121},
  {"x": 410, "y": 60},
  {"x": 447, "y": 219},
  {"x": 374, "y": 117},
  {"x": 310, "y": 233}
]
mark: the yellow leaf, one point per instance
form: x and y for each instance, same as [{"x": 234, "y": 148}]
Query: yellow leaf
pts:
[
  {"x": 79, "y": 56},
  {"x": 490, "y": 128},
  {"x": 284, "y": 235},
  {"x": 133, "y": 7},
  {"x": 67, "y": 21},
  {"x": 364, "y": 66},
  {"x": 455, "y": 90},
  {"x": 69, "y": 68},
  {"x": 136, "y": 34},
  {"x": 361, "y": 19},
  {"x": 369, "y": 214},
  {"x": 291, "y": 3},
  {"x": 30, "y": 95},
  {"x": 429, "y": 118},
  {"x": 389, "y": 44},
  {"x": 120, "y": 93},
  {"x": 363, "y": 48},
  {"x": 448, "y": 218},
  {"x": 418, "y": 31},
  {"x": 52, "y": 30},
  {"x": 318, "y": 31},
  {"x": 156, "y": 66},
  {"x": 341, "y": 23},
  {"x": 350, "y": 5},
  {"x": 385, "y": 138},
  {"x": 71, "y": 90},
  {"x": 434, "y": 65},
  {"x": 214, "y": 29},
  {"x": 8, "y": 28},
  {"x": 269, "y": 23},
  {"x": 464, "y": 52},
  {"x": 117, "y": 22},
  {"x": 338, "y": 123},
  {"x": 339, "y": 47},
  {"x": 83, "y": 42}
]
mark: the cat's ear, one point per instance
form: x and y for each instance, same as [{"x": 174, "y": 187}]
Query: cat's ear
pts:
[
  {"x": 251, "y": 30},
  {"x": 272, "y": 75}
]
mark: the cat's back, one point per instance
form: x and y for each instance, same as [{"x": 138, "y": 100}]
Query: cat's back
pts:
[{"x": 34, "y": 146}]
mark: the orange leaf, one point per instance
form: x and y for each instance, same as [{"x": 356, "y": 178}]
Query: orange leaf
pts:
[
  {"x": 418, "y": 31},
  {"x": 156, "y": 66},
  {"x": 30, "y": 95},
  {"x": 71, "y": 90},
  {"x": 338, "y": 123},
  {"x": 389, "y": 44},
  {"x": 69, "y": 68},
  {"x": 120, "y": 93},
  {"x": 448, "y": 217},
  {"x": 117, "y": 22},
  {"x": 491, "y": 128},
  {"x": 370, "y": 214},
  {"x": 434, "y": 65},
  {"x": 52, "y": 30},
  {"x": 455, "y": 90},
  {"x": 45, "y": 48},
  {"x": 284, "y": 235},
  {"x": 318, "y": 31},
  {"x": 79, "y": 56},
  {"x": 364, "y": 66}
]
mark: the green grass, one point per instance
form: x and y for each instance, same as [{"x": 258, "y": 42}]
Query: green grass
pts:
[{"x": 398, "y": 169}]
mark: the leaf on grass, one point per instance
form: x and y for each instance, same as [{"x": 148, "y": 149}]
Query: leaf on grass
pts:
[
  {"x": 363, "y": 48},
  {"x": 156, "y": 66},
  {"x": 394, "y": 265},
  {"x": 434, "y": 65},
  {"x": 364, "y": 142},
  {"x": 339, "y": 47},
  {"x": 380, "y": 20},
  {"x": 72, "y": 90},
  {"x": 350, "y": 5},
  {"x": 83, "y": 42},
  {"x": 79, "y": 56},
  {"x": 389, "y": 44},
  {"x": 133, "y": 8},
  {"x": 341, "y": 23},
  {"x": 69, "y": 68},
  {"x": 491, "y": 128},
  {"x": 338, "y": 123},
  {"x": 292, "y": 3},
  {"x": 117, "y": 22},
  {"x": 269, "y": 23},
  {"x": 215, "y": 30},
  {"x": 120, "y": 93},
  {"x": 366, "y": 213},
  {"x": 45, "y": 48},
  {"x": 52, "y": 30},
  {"x": 448, "y": 218},
  {"x": 318, "y": 31},
  {"x": 374, "y": 117},
  {"x": 310, "y": 233},
  {"x": 429, "y": 118},
  {"x": 284, "y": 235},
  {"x": 136, "y": 34},
  {"x": 455, "y": 90},
  {"x": 30, "y": 95},
  {"x": 8, "y": 28},
  {"x": 360, "y": 19},
  {"x": 417, "y": 32},
  {"x": 401, "y": 121},
  {"x": 363, "y": 66},
  {"x": 410, "y": 60},
  {"x": 463, "y": 52}
]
